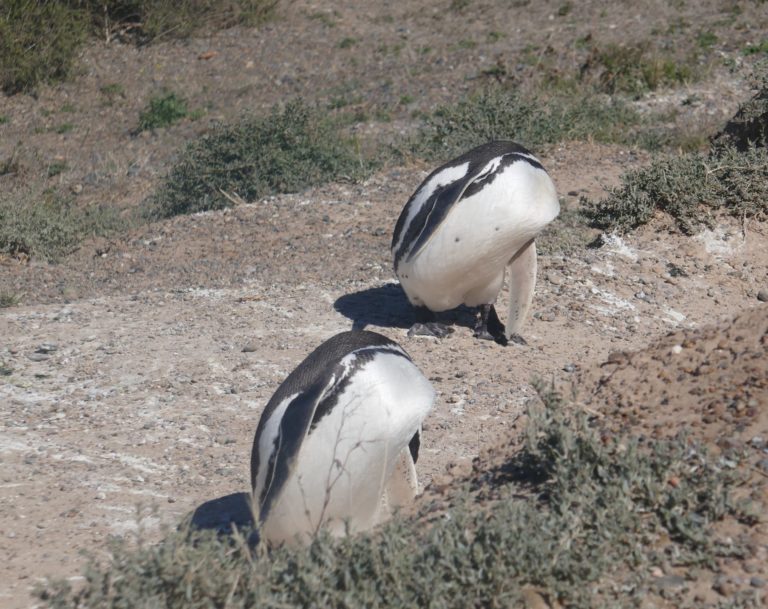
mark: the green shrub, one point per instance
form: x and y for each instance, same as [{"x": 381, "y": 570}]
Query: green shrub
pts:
[
  {"x": 291, "y": 149},
  {"x": 162, "y": 111},
  {"x": 8, "y": 299},
  {"x": 497, "y": 113},
  {"x": 633, "y": 69},
  {"x": 48, "y": 225},
  {"x": 694, "y": 189},
  {"x": 749, "y": 126},
  {"x": 582, "y": 516},
  {"x": 147, "y": 20},
  {"x": 39, "y": 39},
  {"x": 38, "y": 42}
]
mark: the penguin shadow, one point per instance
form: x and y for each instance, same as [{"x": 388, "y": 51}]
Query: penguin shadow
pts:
[
  {"x": 223, "y": 513},
  {"x": 387, "y": 306}
]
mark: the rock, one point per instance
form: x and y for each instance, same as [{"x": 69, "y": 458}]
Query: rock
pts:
[
  {"x": 555, "y": 278},
  {"x": 724, "y": 586},
  {"x": 641, "y": 295},
  {"x": 47, "y": 348},
  {"x": 250, "y": 347},
  {"x": 762, "y": 295},
  {"x": 669, "y": 581},
  {"x": 757, "y": 582},
  {"x": 38, "y": 357}
]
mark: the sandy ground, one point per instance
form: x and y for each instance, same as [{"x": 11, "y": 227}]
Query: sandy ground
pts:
[
  {"x": 148, "y": 395},
  {"x": 132, "y": 373}
]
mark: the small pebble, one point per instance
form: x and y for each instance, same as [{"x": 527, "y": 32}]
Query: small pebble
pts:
[
  {"x": 47, "y": 348},
  {"x": 38, "y": 357},
  {"x": 757, "y": 582},
  {"x": 569, "y": 368},
  {"x": 724, "y": 586},
  {"x": 555, "y": 278},
  {"x": 762, "y": 295},
  {"x": 643, "y": 296},
  {"x": 250, "y": 348},
  {"x": 669, "y": 581}
]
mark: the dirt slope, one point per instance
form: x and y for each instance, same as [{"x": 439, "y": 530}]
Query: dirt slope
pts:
[
  {"x": 133, "y": 372},
  {"x": 146, "y": 387}
]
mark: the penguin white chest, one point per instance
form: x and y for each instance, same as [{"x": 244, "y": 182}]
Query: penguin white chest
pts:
[
  {"x": 349, "y": 454},
  {"x": 465, "y": 257}
]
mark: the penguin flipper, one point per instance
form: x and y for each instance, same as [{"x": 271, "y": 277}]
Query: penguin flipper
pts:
[
  {"x": 293, "y": 429},
  {"x": 432, "y": 210},
  {"x": 522, "y": 280}
]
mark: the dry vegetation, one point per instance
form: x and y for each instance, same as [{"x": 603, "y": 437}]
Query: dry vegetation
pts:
[{"x": 574, "y": 509}]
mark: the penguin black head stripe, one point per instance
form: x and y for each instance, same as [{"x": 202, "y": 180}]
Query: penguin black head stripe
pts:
[
  {"x": 337, "y": 442},
  {"x": 469, "y": 220}
]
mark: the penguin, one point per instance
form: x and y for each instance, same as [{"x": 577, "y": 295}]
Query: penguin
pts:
[
  {"x": 466, "y": 222},
  {"x": 337, "y": 443}
]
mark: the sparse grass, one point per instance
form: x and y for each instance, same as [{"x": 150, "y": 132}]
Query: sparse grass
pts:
[
  {"x": 291, "y": 149},
  {"x": 8, "y": 300},
  {"x": 749, "y": 126},
  {"x": 162, "y": 111},
  {"x": 498, "y": 113},
  {"x": 46, "y": 225},
  {"x": 693, "y": 189},
  {"x": 634, "y": 69},
  {"x": 582, "y": 516},
  {"x": 111, "y": 92},
  {"x": 147, "y": 20},
  {"x": 39, "y": 40},
  {"x": 56, "y": 168},
  {"x": 760, "y": 48}
]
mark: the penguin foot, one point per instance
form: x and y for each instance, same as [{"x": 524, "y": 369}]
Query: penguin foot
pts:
[
  {"x": 430, "y": 328},
  {"x": 484, "y": 334},
  {"x": 489, "y": 326},
  {"x": 518, "y": 340}
]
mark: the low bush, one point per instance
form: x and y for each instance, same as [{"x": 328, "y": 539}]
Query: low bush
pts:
[
  {"x": 47, "y": 225},
  {"x": 162, "y": 111},
  {"x": 292, "y": 148},
  {"x": 634, "y": 69},
  {"x": 498, "y": 113},
  {"x": 38, "y": 42},
  {"x": 40, "y": 39},
  {"x": 583, "y": 516},
  {"x": 146, "y": 20},
  {"x": 693, "y": 189}
]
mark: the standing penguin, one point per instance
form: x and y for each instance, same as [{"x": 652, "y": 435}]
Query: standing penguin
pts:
[
  {"x": 337, "y": 443},
  {"x": 471, "y": 218}
]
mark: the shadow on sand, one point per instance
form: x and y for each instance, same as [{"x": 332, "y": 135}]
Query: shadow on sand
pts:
[
  {"x": 387, "y": 306},
  {"x": 220, "y": 514}
]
